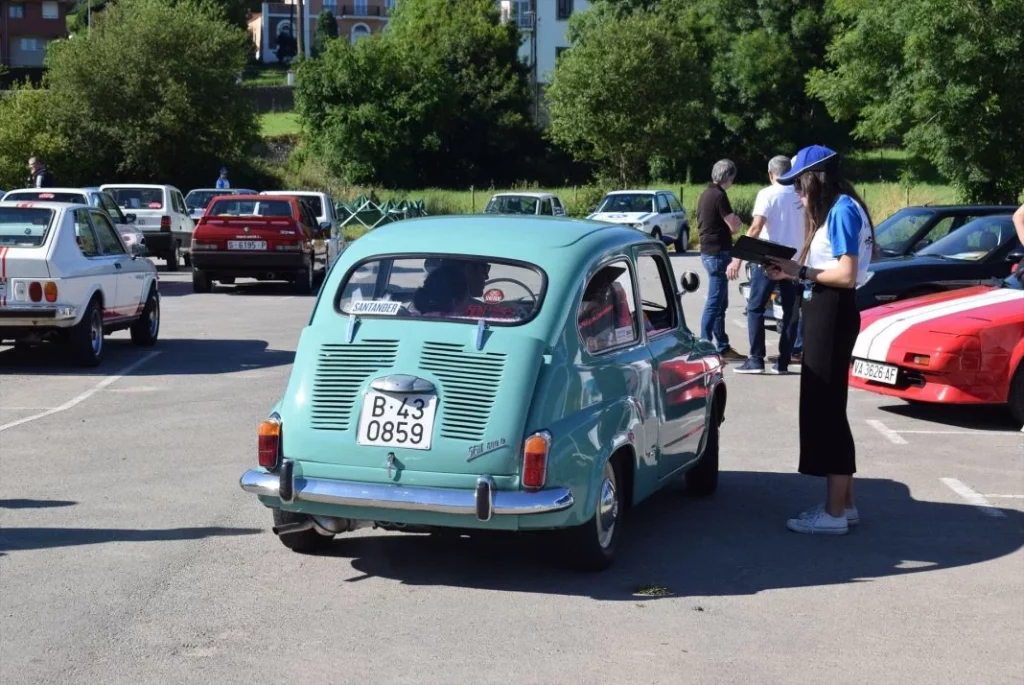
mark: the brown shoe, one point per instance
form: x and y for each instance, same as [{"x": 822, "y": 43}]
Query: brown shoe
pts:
[{"x": 731, "y": 355}]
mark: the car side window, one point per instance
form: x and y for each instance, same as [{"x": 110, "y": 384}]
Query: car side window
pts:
[
  {"x": 940, "y": 230},
  {"x": 112, "y": 209},
  {"x": 663, "y": 207},
  {"x": 674, "y": 203},
  {"x": 107, "y": 234},
  {"x": 657, "y": 296},
  {"x": 559, "y": 209},
  {"x": 545, "y": 207},
  {"x": 607, "y": 313},
  {"x": 179, "y": 203},
  {"x": 84, "y": 235}
]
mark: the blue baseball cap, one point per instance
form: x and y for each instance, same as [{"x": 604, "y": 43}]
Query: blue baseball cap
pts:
[
  {"x": 810, "y": 158},
  {"x": 223, "y": 170}
]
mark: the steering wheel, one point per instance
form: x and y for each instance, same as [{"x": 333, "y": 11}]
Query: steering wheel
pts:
[{"x": 533, "y": 298}]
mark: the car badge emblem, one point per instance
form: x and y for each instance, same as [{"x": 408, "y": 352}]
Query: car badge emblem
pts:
[
  {"x": 246, "y": 229},
  {"x": 480, "y": 449}
]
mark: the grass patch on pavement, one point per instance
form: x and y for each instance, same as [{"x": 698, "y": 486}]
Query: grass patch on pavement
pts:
[{"x": 274, "y": 124}]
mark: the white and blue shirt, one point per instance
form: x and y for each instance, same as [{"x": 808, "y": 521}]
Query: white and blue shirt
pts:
[{"x": 847, "y": 231}]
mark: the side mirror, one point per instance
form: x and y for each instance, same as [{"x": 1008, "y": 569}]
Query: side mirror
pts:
[
  {"x": 689, "y": 281},
  {"x": 130, "y": 218},
  {"x": 1015, "y": 255}
]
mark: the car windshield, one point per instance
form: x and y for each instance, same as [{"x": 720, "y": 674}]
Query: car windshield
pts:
[
  {"x": 45, "y": 196},
  {"x": 512, "y": 204},
  {"x": 24, "y": 226},
  {"x": 448, "y": 288},
  {"x": 251, "y": 208},
  {"x": 627, "y": 202},
  {"x": 974, "y": 241},
  {"x": 138, "y": 198},
  {"x": 198, "y": 199},
  {"x": 894, "y": 234}
]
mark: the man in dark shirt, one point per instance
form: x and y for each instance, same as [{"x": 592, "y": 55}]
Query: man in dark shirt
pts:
[
  {"x": 39, "y": 175},
  {"x": 717, "y": 223}
]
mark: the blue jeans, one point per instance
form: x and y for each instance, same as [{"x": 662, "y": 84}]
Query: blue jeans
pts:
[
  {"x": 798, "y": 324},
  {"x": 760, "y": 292},
  {"x": 712, "y": 323}
]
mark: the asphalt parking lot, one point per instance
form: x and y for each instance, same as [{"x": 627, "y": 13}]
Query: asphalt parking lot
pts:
[{"x": 128, "y": 553}]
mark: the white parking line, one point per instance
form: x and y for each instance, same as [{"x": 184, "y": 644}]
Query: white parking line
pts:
[
  {"x": 973, "y": 498},
  {"x": 84, "y": 396},
  {"x": 888, "y": 433}
]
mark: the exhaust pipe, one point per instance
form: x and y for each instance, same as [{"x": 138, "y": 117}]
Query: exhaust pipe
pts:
[{"x": 292, "y": 528}]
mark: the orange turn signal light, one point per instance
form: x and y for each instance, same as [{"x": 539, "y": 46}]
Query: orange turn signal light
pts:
[
  {"x": 535, "y": 459},
  {"x": 269, "y": 442},
  {"x": 50, "y": 291}
]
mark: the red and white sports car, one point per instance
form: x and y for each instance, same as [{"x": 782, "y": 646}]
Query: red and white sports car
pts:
[{"x": 964, "y": 346}]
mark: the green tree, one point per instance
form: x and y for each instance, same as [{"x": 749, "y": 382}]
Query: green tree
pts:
[
  {"x": 25, "y": 130},
  {"x": 151, "y": 95},
  {"x": 326, "y": 30},
  {"x": 944, "y": 76},
  {"x": 620, "y": 103},
  {"x": 439, "y": 98}
]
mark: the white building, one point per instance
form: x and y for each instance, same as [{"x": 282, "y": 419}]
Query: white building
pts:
[{"x": 543, "y": 23}]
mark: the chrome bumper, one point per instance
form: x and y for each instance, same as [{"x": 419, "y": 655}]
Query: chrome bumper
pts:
[
  {"x": 38, "y": 315},
  {"x": 484, "y": 502}
]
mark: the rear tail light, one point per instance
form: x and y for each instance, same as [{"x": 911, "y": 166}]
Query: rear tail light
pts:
[
  {"x": 50, "y": 291},
  {"x": 535, "y": 459},
  {"x": 35, "y": 291},
  {"x": 269, "y": 441},
  {"x": 200, "y": 245},
  {"x": 165, "y": 224}
]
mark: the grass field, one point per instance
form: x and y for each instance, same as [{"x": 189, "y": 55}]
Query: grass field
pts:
[
  {"x": 279, "y": 124},
  {"x": 266, "y": 75}
]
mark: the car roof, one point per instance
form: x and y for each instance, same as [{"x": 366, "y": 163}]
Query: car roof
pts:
[
  {"x": 524, "y": 238},
  {"x": 254, "y": 197},
  {"x": 639, "y": 191},
  {"x": 45, "y": 205},
  {"x": 523, "y": 194},
  {"x": 226, "y": 191},
  {"x": 986, "y": 208},
  {"x": 134, "y": 185},
  {"x": 54, "y": 190},
  {"x": 292, "y": 192}
]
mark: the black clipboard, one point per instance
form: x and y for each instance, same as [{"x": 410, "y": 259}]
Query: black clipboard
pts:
[{"x": 753, "y": 250}]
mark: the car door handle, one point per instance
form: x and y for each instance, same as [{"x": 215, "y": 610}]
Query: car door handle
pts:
[{"x": 117, "y": 265}]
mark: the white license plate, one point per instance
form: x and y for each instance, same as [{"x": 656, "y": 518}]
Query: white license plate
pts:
[
  {"x": 881, "y": 373},
  {"x": 247, "y": 245},
  {"x": 397, "y": 420}
]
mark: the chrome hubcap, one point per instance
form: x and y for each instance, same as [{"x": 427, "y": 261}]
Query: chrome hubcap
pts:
[
  {"x": 96, "y": 333},
  {"x": 607, "y": 507}
]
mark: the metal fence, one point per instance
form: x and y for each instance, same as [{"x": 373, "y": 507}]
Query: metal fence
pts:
[{"x": 363, "y": 211}]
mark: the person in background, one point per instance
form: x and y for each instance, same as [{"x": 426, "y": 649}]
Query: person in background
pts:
[
  {"x": 716, "y": 224},
  {"x": 39, "y": 175},
  {"x": 778, "y": 217},
  {"x": 838, "y": 245},
  {"x": 223, "y": 183}
]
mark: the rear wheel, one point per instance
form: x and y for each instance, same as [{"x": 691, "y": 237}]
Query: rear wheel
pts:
[
  {"x": 702, "y": 479},
  {"x": 304, "y": 280},
  {"x": 146, "y": 330},
  {"x": 1016, "y": 398},
  {"x": 187, "y": 258},
  {"x": 85, "y": 340},
  {"x": 201, "y": 282},
  {"x": 656, "y": 234},
  {"x": 306, "y": 541},
  {"x": 682, "y": 242},
  {"x": 175, "y": 257},
  {"x": 591, "y": 547}
]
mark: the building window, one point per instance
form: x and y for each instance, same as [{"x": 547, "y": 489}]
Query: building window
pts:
[
  {"x": 16, "y": 10},
  {"x": 564, "y": 9},
  {"x": 50, "y": 10},
  {"x": 360, "y": 9},
  {"x": 389, "y": 5},
  {"x": 360, "y": 31},
  {"x": 33, "y": 45},
  {"x": 331, "y": 6}
]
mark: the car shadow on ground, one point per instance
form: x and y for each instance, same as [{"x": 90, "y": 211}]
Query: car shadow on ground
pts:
[
  {"x": 34, "y": 503},
  {"x": 22, "y": 539},
  {"x": 734, "y": 543},
  {"x": 958, "y": 416},
  {"x": 178, "y": 356}
]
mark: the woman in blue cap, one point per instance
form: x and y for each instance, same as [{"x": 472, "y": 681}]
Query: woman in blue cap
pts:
[{"x": 834, "y": 260}]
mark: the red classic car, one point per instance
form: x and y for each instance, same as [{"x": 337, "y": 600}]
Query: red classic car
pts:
[{"x": 958, "y": 347}]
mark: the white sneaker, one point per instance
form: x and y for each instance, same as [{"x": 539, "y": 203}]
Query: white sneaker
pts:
[
  {"x": 852, "y": 515},
  {"x": 818, "y": 523}
]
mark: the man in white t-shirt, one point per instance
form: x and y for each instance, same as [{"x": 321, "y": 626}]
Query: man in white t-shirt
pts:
[{"x": 779, "y": 218}]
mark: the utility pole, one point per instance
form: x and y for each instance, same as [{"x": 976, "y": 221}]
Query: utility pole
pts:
[{"x": 300, "y": 32}]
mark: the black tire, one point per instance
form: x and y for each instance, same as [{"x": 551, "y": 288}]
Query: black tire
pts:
[
  {"x": 1016, "y": 398},
  {"x": 85, "y": 340},
  {"x": 591, "y": 547},
  {"x": 682, "y": 243},
  {"x": 656, "y": 234},
  {"x": 702, "y": 479},
  {"x": 175, "y": 257},
  {"x": 187, "y": 258},
  {"x": 304, "y": 279},
  {"x": 146, "y": 330},
  {"x": 201, "y": 282},
  {"x": 304, "y": 542}
]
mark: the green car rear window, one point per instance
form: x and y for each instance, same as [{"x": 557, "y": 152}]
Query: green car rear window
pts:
[{"x": 468, "y": 289}]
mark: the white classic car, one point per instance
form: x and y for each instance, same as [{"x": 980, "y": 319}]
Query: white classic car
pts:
[
  {"x": 322, "y": 207},
  {"x": 162, "y": 217},
  {"x": 535, "y": 204},
  {"x": 66, "y": 275},
  {"x": 655, "y": 212},
  {"x": 198, "y": 199},
  {"x": 132, "y": 235}
]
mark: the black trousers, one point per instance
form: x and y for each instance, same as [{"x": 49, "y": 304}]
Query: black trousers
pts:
[{"x": 831, "y": 325}]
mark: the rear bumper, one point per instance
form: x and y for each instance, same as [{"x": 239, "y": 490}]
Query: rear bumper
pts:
[
  {"x": 12, "y": 319},
  {"x": 241, "y": 263},
  {"x": 482, "y": 503}
]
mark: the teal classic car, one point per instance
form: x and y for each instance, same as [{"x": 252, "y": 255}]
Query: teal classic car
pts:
[{"x": 492, "y": 373}]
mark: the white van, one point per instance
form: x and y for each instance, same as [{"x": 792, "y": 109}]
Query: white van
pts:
[{"x": 161, "y": 215}]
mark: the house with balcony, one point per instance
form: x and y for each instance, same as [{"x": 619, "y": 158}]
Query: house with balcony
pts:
[
  {"x": 278, "y": 23},
  {"x": 27, "y": 27},
  {"x": 543, "y": 25}
]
